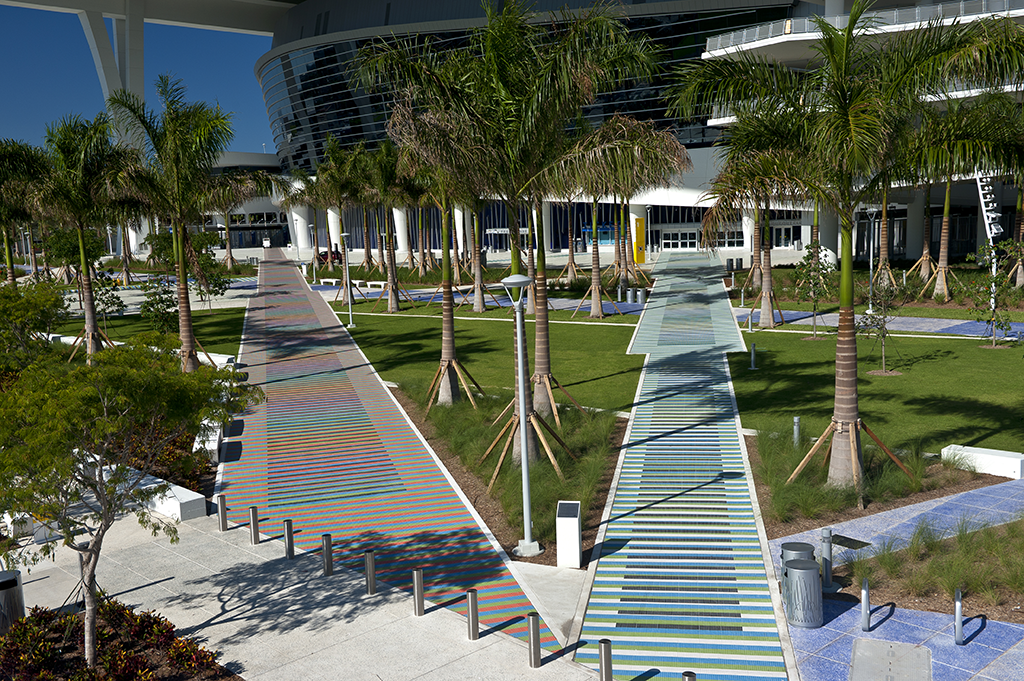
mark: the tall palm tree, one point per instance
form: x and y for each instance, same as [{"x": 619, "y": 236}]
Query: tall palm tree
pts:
[
  {"x": 855, "y": 104},
  {"x": 86, "y": 172},
  {"x": 229, "y": 190},
  {"x": 182, "y": 143},
  {"x": 341, "y": 183},
  {"x": 21, "y": 165}
]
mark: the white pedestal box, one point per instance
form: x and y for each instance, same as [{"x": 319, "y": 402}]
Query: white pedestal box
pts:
[{"x": 569, "y": 534}]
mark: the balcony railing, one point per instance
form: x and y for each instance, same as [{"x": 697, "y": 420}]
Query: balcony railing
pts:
[{"x": 889, "y": 17}]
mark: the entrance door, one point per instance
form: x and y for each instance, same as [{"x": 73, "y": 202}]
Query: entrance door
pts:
[{"x": 783, "y": 237}]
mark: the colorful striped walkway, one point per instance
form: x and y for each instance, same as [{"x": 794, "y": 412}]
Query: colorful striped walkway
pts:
[
  {"x": 681, "y": 582},
  {"x": 331, "y": 450}
]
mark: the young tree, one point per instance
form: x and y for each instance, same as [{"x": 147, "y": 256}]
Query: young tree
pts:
[
  {"x": 26, "y": 313},
  {"x": 988, "y": 293},
  {"x": 79, "y": 441},
  {"x": 182, "y": 142},
  {"x": 885, "y": 307},
  {"x": 815, "y": 279}
]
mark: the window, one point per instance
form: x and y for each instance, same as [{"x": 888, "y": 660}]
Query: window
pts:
[{"x": 730, "y": 239}]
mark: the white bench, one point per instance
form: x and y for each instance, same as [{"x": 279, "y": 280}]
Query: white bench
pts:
[
  {"x": 329, "y": 281},
  {"x": 377, "y": 284},
  {"x": 991, "y": 461},
  {"x": 210, "y": 443},
  {"x": 177, "y": 503}
]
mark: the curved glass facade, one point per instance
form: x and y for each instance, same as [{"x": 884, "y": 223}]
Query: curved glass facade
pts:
[{"x": 309, "y": 94}]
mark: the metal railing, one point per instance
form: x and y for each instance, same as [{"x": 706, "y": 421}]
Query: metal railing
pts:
[{"x": 889, "y": 17}]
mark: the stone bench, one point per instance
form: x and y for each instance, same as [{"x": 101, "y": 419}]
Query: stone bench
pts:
[
  {"x": 991, "y": 461},
  {"x": 377, "y": 284},
  {"x": 329, "y": 281}
]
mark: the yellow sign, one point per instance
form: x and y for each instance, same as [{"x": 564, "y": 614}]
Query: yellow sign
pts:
[{"x": 640, "y": 242}]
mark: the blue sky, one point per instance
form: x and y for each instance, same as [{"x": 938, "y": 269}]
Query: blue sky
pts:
[{"x": 48, "y": 73}]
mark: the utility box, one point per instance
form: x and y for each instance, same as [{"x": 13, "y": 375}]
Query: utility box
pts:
[
  {"x": 569, "y": 534},
  {"x": 12, "y": 600},
  {"x": 266, "y": 243}
]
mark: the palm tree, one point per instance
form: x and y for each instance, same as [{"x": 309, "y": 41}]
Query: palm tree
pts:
[
  {"x": 86, "y": 172},
  {"x": 229, "y": 190},
  {"x": 182, "y": 143},
  {"x": 20, "y": 165},
  {"x": 341, "y": 185},
  {"x": 854, "y": 105}
]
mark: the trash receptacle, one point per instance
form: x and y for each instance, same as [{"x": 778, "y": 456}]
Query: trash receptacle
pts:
[
  {"x": 803, "y": 593},
  {"x": 643, "y": 296},
  {"x": 12, "y": 601},
  {"x": 630, "y": 295},
  {"x": 569, "y": 534},
  {"x": 729, "y": 262},
  {"x": 483, "y": 258},
  {"x": 794, "y": 550}
]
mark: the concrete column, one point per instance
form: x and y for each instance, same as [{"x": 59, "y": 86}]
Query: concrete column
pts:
[
  {"x": 334, "y": 227},
  {"x": 828, "y": 231},
  {"x": 915, "y": 225},
  {"x": 636, "y": 212},
  {"x": 549, "y": 242},
  {"x": 102, "y": 51},
  {"x": 129, "y": 44},
  {"x": 298, "y": 223},
  {"x": 401, "y": 229},
  {"x": 458, "y": 215},
  {"x": 747, "y": 225}
]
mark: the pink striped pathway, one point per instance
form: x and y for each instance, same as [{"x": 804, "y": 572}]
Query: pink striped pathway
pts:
[{"x": 331, "y": 450}]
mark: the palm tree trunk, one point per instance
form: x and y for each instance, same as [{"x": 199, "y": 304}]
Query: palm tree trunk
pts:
[
  {"x": 541, "y": 342},
  {"x": 767, "y": 320},
  {"x": 926, "y": 249},
  {"x": 479, "y": 305},
  {"x": 883, "y": 274},
  {"x": 389, "y": 228},
  {"x": 381, "y": 260},
  {"x": 846, "y": 412},
  {"x": 456, "y": 260},
  {"x": 628, "y": 245},
  {"x": 189, "y": 358},
  {"x": 46, "y": 257},
  {"x": 448, "y": 393},
  {"x": 32, "y": 253},
  {"x": 814, "y": 230},
  {"x": 571, "y": 269},
  {"x": 92, "y": 336},
  {"x": 9, "y": 258},
  {"x": 616, "y": 233},
  {"x": 531, "y": 269},
  {"x": 367, "y": 263},
  {"x": 229, "y": 260},
  {"x": 755, "y": 264},
  {"x": 942, "y": 271},
  {"x": 1018, "y": 233},
  {"x": 596, "y": 306},
  {"x": 422, "y": 245}
]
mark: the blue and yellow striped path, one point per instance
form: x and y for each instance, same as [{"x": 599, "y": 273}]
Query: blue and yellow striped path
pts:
[
  {"x": 333, "y": 451},
  {"x": 681, "y": 582}
]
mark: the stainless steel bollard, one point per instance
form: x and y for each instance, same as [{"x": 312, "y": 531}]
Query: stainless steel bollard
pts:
[
  {"x": 289, "y": 540},
  {"x": 865, "y": 606},
  {"x": 750, "y": 321},
  {"x": 254, "y": 525},
  {"x": 741, "y": 297},
  {"x": 327, "y": 548},
  {"x": 753, "y": 352},
  {"x": 958, "y": 619},
  {"x": 473, "y": 612},
  {"x": 417, "y": 592},
  {"x": 826, "y": 558},
  {"x": 370, "y": 565},
  {"x": 605, "y": 659},
  {"x": 534, "y": 622},
  {"x": 796, "y": 432},
  {"x": 689, "y": 676},
  {"x": 222, "y": 513}
]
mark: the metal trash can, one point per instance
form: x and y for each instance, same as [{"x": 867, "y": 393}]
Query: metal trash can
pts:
[
  {"x": 794, "y": 550},
  {"x": 253, "y": 260},
  {"x": 12, "y": 600},
  {"x": 630, "y": 295},
  {"x": 729, "y": 262},
  {"x": 643, "y": 296},
  {"x": 803, "y": 594}
]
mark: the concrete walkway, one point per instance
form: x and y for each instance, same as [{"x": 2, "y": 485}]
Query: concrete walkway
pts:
[
  {"x": 681, "y": 583},
  {"x": 935, "y": 325}
]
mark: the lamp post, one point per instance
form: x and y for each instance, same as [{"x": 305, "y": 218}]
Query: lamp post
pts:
[
  {"x": 316, "y": 256},
  {"x": 647, "y": 231},
  {"x": 527, "y": 546},
  {"x": 348, "y": 279}
]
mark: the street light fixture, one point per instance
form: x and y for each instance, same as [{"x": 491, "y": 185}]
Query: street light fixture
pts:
[
  {"x": 527, "y": 546},
  {"x": 348, "y": 279}
]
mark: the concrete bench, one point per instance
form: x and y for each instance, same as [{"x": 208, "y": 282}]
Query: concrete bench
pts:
[
  {"x": 377, "y": 284},
  {"x": 329, "y": 281},
  {"x": 991, "y": 461},
  {"x": 211, "y": 443},
  {"x": 177, "y": 503}
]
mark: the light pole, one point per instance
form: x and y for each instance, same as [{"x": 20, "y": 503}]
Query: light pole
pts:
[
  {"x": 348, "y": 279},
  {"x": 647, "y": 231},
  {"x": 316, "y": 256},
  {"x": 527, "y": 546}
]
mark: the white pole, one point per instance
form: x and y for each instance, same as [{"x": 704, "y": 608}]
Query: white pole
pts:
[
  {"x": 348, "y": 278},
  {"x": 523, "y": 423}
]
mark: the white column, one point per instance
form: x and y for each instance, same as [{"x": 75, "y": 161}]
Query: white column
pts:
[
  {"x": 549, "y": 241},
  {"x": 102, "y": 51},
  {"x": 915, "y": 225},
  {"x": 334, "y": 227},
  {"x": 401, "y": 230},
  {"x": 298, "y": 222},
  {"x": 458, "y": 215},
  {"x": 747, "y": 225},
  {"x": 636, "y": 212}
]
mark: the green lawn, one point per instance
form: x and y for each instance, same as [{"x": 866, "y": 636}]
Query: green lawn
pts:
[
  {"x": 218, "y": 330},
  {"x": 588, "y": 359},
  {"x": 951, "y": 391},
  {"x": 907, "y": 311},
  {"x": 466, "y": 310}
]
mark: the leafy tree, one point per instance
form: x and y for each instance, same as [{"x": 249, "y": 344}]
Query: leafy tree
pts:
[
  {"x": 815, "y": 279},
  {"x": 79, "y": 441},
  {"x": 159, "y": 305},
  {"x": 231, "y": 189},
  {"x": 108, "y": 300},
  {"x": 885, "y": 307},
  {"x": 20, "y": 165},
  {"x": 183, "y": 142},
  {"x": 989, "y": 292},
  {"x": 26, "y": 312},
  {"x": 212, "y": 280}
]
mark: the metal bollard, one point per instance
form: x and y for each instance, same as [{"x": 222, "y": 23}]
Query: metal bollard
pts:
[
  {"x": 958, "y": 619},
  {"x": 796, "y": 432},
  {"x": 222, "y": 513},
  {"x": 473, "y": 612},
  {"x": 417, "y": 592},
  {"x": 689, "y": 676},
  {"x": 865, "y": 607},
  {"x": 327, "y": 548},
  {"x": 254, "y": 525},
  {"x": 289, "y": 540},
  {"x": 534, "y": 621},
  {"x": 741, "y": 297},
  {"x": 753, "y": 352},
  {"x": 826, "y": 558},
  {"x": 370, "y": 565},
  {"x": 750, "y": 321},
  {"x": 904, "y": 277},
  {"x": 605, "y": 659}
]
